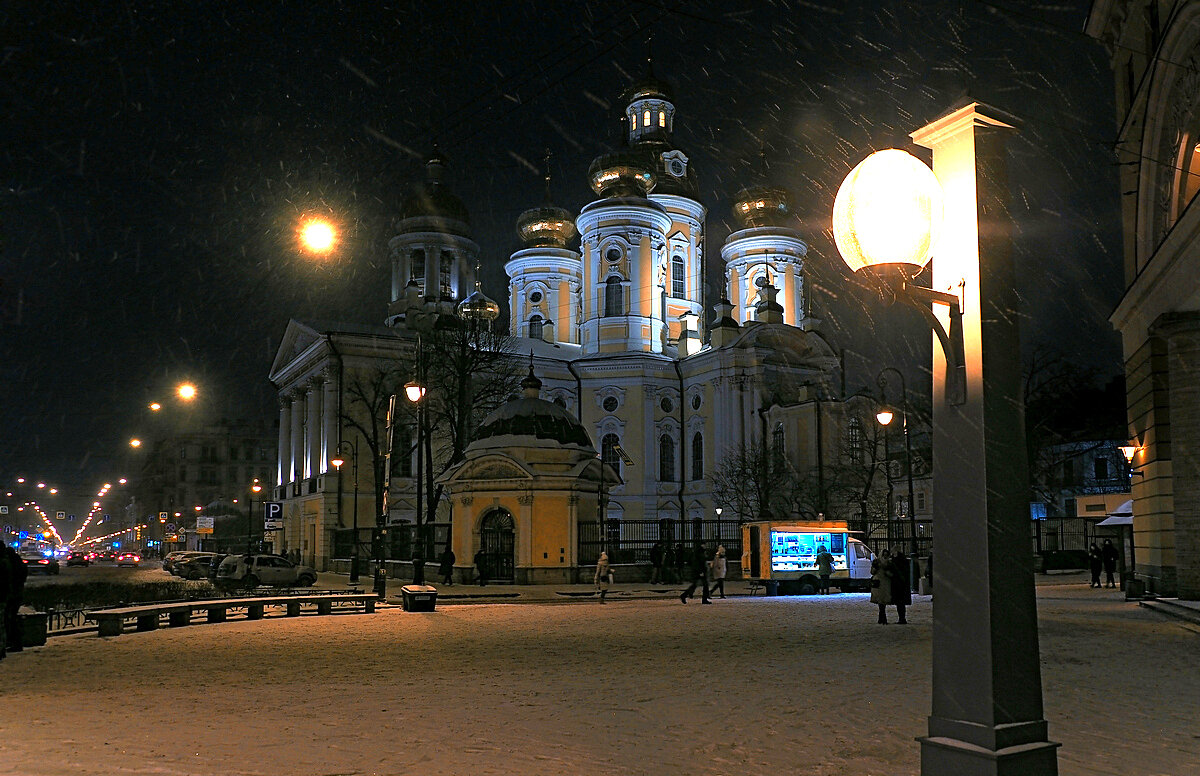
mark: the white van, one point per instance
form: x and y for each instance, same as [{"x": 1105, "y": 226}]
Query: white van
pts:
[{"x": 783, "y": 555}]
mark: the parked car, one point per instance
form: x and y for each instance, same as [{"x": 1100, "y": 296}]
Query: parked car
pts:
[
  {"x": 195, "y": 566},
  {"x": 250, "y": 571},
  {"x": 129, "y": 559},
  {"x": 78, "y": 558},
  {"x": 107, "y": 555},
  {"x": 172, "y": 558},
  {"x": 37, "y": 563}
]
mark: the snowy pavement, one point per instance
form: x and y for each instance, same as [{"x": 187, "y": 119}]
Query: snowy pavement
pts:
[{"x": 637, "y": 686}]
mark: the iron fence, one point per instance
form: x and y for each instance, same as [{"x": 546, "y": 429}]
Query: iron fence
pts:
[
  {"x": 399, "y": 543},
  {"x": 629, "y": 541}
]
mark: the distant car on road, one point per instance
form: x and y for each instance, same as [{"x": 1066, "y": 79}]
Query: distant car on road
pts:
[
  {"x": 107, "y": 555},
  {"x": 79, "y": 559},
  {"x": 250, "y": 571},
  {"x": 129, "y": 559},
  {"x": 37, "y": 563}
]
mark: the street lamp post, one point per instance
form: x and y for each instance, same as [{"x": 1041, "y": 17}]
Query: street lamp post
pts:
[
  {"x": 255, "y": 487},
  {"x": 987, "y": 717},
  {"x": 885, "y": 416},
  {"x": 415, "y": 392},
  {"x": 337, "y": 462}
]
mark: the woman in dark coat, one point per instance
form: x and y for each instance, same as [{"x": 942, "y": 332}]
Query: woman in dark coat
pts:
[
  {"x": 901, "y": 586},
  {"x": 1110, "y": 555},
  {"x": 446, "y": 566},
  {"x": 1096, "y": 562}
]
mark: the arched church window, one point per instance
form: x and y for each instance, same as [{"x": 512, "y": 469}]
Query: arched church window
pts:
[
  {"x": 535, "y": 327},
  {"x": 614, "y": 297},
  {"x": 666, "y": 459},
  {"x": 444, "y": 270},
  {"x": 608, "y": 452},
  {"x": 697, "y": 456},
  {"x": 416, "y": 266},
  {"x": 678, "y": 277},
  {"x": 646, "y": 118},
  {"x": 662, "y": 119}
]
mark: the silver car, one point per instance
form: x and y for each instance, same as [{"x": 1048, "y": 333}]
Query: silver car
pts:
[{"x": 250, "y": 571}]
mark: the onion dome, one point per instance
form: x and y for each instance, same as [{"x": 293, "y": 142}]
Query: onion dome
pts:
[
  {"x": 649, "y": 86},
  {"x": 477, "y": 306},
  {"x": 762, "y": 206},
  {"x": 536, "y": 419},
  {"x": 546, "y": 227},
  {"x": 621, "y": 174},
  {"x": 431, "y": 199}
]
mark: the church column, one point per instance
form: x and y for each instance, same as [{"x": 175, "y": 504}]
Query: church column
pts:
[
  {"x": 296, "y": 462},
  {"x": 312, "y": 455},
  {"x": 329, "y": 417},
  {"x": 284, "y": 464},
  {"x": 1182, "y": 333}
]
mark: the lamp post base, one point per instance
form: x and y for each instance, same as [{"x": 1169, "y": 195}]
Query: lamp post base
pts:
[
  {"x": 380, "y": 581},
  {"x": 941, "y": 756}
]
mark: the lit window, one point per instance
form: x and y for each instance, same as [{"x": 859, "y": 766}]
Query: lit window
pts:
[
  {"x": 662, "y": 119},
  {"x": 678, "y": 277},
  {"x": 646, "y": 119},
  {"x": 1189, "y": 172}
]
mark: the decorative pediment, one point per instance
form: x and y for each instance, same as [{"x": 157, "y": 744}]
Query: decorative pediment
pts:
[{"x": 492, "y": 468}]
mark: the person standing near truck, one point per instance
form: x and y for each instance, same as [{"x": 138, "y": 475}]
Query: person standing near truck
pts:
[
  {"x": 824, "y": 568},
  {"x": 881, "y": 585},
  {"x": 901, "y": 586}
]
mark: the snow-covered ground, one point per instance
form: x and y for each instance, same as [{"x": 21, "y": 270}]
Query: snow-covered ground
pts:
[{"x": 747, "y": 686}]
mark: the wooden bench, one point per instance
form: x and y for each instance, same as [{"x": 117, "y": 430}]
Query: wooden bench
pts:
[{"x": 111, "y": 622}]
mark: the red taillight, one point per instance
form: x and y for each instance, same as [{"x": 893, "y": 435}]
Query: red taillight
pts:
[{"x": 44, "y": 562}]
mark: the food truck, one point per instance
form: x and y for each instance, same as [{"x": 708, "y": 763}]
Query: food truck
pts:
[{"x": 783, "y": 556}]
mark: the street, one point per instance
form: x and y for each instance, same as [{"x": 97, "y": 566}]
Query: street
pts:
[{"x": 748, "y": 686}]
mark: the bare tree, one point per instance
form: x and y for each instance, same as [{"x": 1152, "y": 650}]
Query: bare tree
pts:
[
  {"x": 752, "y": 481},
  {"x": 367, "y": 394}
]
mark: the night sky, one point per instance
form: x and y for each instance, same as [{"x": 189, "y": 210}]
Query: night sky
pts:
[{"x": 156, "y": 158}]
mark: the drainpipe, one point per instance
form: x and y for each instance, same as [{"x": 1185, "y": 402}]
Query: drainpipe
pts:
[
  {"x": 682, "y": 438},
  {"x": 578, "y": 393}
]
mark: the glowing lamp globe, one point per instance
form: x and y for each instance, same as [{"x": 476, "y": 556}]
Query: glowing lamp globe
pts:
[{"x": 888, "y": 214}]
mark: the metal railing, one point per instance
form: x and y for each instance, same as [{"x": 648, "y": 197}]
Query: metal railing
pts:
[{"x": 629, "y": 541}]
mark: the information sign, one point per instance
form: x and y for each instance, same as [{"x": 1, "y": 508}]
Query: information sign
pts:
[{"x": 204, "y": 524}]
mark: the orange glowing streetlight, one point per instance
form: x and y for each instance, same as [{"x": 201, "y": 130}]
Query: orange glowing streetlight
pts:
[
  {"x": 186, "y": 391},
  {"x": 135, "y": 442},
  {"x": 317, "y": 235},
  {"x": 155, "y": 406}
]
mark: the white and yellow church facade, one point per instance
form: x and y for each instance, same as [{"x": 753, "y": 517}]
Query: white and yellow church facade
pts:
[{"x": 610, "y": 304}]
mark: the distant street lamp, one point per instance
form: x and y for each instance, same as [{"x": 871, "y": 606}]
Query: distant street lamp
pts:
[
  {"x": 414, "y": 391},
  {"x": 255, "y": 487},
  {"x": 884, "y": 416},
  {"x": 337, "y": 462},
  {"x": 186, "y": 391},
  {"x": 317, "y": 235}
]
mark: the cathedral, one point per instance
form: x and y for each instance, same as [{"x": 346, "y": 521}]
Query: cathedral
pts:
[{"x": 636, "y": 392}]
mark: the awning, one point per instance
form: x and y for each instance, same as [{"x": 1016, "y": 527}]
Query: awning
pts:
[{"x": 1122, "y": 515}]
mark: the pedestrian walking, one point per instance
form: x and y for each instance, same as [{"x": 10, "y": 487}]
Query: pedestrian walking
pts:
[
  {"x": 824, "y": 568},
  {"x": 604, "y": 576},
  {"x": 656, "y": 563},
  {"x": 681, "y": 562},
  {"x": 699, "y": 572},
  {"x": 881, "y": 585},
  {"x": 718, "y": 571},
  {"x": 901, "y": 585},
  {"x": 446, "y": 566},
  {"x": 481, "y": 567},
  {"x": 14, "y": 593},
  {"x": 1109, "y": 554},
  {"x": 668, "y": 567},
  {"x": 1095, "y": 562}
]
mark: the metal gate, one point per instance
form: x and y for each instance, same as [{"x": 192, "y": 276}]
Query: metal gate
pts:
[{"x": 496, "y": 540}]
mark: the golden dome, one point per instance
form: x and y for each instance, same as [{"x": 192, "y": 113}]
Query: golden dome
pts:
[
  {"x": 621, "y": 175},
  {"x": 478, "y": 306},
  {"x": 546, "y": 227},
  {"x": 762, "y": 206}
]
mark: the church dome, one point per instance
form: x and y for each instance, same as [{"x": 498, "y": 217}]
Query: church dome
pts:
[
  {"x": 536, "y": 420},
  {"x": 621, "y": 174},
  {"x": 648, "y": 87},
  {"x": 432, "y": 200},
  {"x": 546, "y": 227},
  {"x": 762, "y": 206},
  {"x": 478, "y": 306}
]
